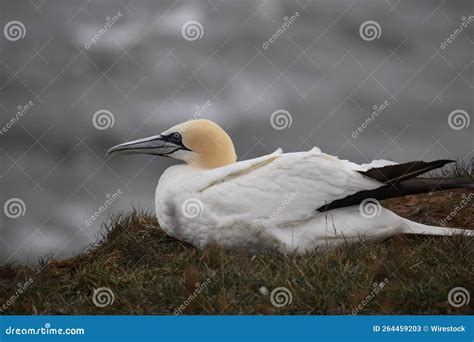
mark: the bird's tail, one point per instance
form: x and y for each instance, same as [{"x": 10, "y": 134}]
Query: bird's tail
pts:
[{"x": 410, "y": 227}]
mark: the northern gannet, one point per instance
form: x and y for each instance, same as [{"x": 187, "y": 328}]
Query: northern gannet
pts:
[{"x": 286, "y": 202}]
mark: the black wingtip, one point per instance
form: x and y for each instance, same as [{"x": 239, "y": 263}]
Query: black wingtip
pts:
[
  {"x": 410, "y": 187},
  {"x": 397, "y": 173}
]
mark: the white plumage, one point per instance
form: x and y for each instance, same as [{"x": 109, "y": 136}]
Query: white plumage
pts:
[{"x": 267, "y": 203}]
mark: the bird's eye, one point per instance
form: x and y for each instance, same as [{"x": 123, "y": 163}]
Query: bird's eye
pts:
[{"x": 176, "y": 137}]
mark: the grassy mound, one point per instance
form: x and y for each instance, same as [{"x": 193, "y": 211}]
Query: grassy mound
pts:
[{"x": 148, "y": 272}]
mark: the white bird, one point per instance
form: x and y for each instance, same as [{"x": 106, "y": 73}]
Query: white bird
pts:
[{"x": 286, "y": 202}]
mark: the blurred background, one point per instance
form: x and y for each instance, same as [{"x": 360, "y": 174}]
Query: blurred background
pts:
[{"x": 77, "y": 77}]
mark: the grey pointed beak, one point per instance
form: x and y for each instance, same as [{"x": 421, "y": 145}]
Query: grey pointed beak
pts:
[{"x": 160, "y": 145}]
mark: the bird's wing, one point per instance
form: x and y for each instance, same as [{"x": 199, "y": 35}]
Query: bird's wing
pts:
[
  {"x": 376, "y": 163},
  {"x": 282, "y": 187}
]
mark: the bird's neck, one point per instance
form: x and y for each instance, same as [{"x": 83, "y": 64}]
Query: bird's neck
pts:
[
  {"x": 213, "y": 159},
  {"x": 214, "y": 155}
]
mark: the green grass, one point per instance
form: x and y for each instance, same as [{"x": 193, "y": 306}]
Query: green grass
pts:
[
  {"x": 459, "y": 169},
  {"x": 151, "y": 273}
]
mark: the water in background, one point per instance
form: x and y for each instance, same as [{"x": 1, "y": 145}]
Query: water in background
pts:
[{"x": 160, "y": 63}]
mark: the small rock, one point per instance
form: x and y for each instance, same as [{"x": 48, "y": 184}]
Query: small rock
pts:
[{"x": 263, "y": 291}]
